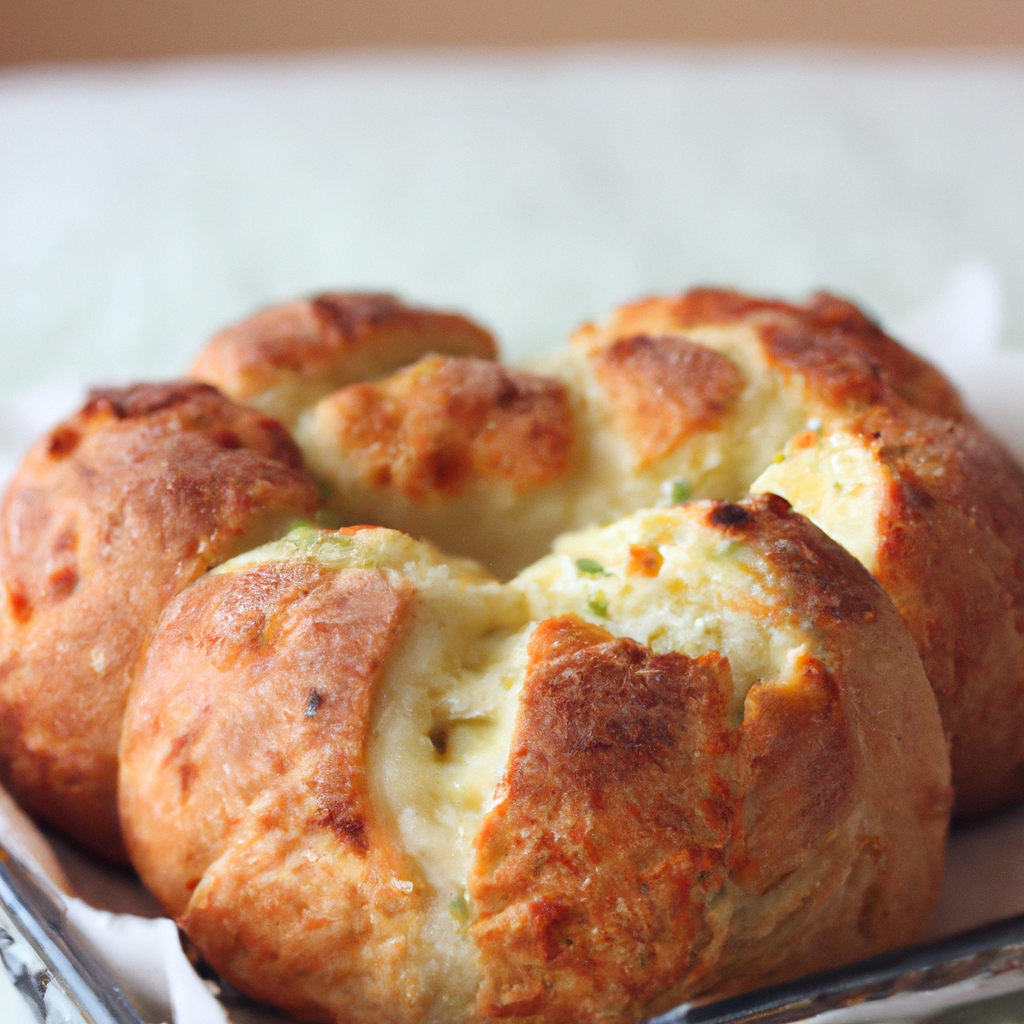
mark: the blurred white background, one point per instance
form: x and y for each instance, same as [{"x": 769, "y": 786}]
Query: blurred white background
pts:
[{"x": 143, "y": 206}]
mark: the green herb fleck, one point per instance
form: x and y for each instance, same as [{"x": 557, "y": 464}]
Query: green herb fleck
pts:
[
  {"x": 681, "y": 491},
  {"x": 598, "y": 604},
  {"x": 592, "y": 568},
  {"x": 459, "y": 907}
]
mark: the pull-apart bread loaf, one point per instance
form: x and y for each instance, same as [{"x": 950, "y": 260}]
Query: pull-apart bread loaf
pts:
[
  {"x": 111, "y": 514},
  {"x": 690, "y": 752},
  {"x": 708, "y": 395},
  {"x": 692, "y": 396}
]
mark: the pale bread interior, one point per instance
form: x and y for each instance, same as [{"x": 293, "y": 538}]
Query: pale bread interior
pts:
[
  {"x": 607, "y": 482},
  {"x": 838, "y": 482},
  {"x": 712, "y": 593}
]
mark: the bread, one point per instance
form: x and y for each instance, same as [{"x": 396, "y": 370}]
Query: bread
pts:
[
  {"x": 699, "y": 396},
  {"x": 286, "y": 357},
  {"x": 494, "y": 463},
  {"x": 933, "y": 508},
  {"x": 111, "y": 514},
  {"x": 691, "y": 752}
]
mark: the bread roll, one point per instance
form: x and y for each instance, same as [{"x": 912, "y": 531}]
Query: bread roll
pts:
[
  {"x": 689, "y": 753},
  {"x": 934, "y": 509},
  {"x": 284, "y": 358},
  {"x": 110, "y": 515}
]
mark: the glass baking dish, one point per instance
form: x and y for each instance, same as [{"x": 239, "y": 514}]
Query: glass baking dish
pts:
[{"x": 62, "y": 981}]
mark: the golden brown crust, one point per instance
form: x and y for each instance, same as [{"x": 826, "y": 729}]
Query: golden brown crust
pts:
[
  {"x": 432, "y": 428},
  {"x": 842, "y": 354},
  {"x": 317, "y": 638},
  {"x": 787, "y": 816},
  {"x": 591, "y": 899},
  {"x": 663, "y": 389},
  {"x": 952, "y": 559},
  {"x": 809, "y": 835},
  {"x": 843, "y": 357},
  {"x": 843, "y": 774},
  {"x": 244, "y": 790},
  {"x": 842, "y": 770},
  {"x": 330, "y": 341},
  {"x": 110, "y": 514},
  {"x": 645, "y": 845},
  {"x": 829, "y": 594}
]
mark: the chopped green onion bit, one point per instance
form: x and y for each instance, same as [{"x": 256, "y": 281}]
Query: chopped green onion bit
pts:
[
  {"x": 459, "y": 907},
  {"x": 681, "y": 491}
]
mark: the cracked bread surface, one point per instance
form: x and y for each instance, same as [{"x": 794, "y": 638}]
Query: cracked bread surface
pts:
[
  {"x": 699, "y": 396},
  {"x": 527, "y": 800},
  {"x": 284, "y": 358}
]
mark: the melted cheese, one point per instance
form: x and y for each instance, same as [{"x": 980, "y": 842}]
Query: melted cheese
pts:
[
  {"x": 710, "y": 593},
  {"x": 839, "y": 483}
]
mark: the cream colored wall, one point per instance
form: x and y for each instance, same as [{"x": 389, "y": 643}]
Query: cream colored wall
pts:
[{"x": 31, "y": 31}]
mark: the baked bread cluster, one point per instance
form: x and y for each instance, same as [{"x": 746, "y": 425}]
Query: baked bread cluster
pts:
[
  {"x": 576, "y": 728},
  {"x": 692, "y": 751},
  {"x": 711, "y": 394}
]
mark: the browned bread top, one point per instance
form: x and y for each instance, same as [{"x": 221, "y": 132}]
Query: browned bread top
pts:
[
  {"x": 112, "y": 513},
  {"x": 433, "y": 427},
  {"x": 375, "y": 785},
  {"x": 843, "y": 355},
  {"x": 287, "y": 356}
]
